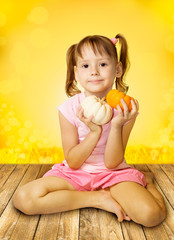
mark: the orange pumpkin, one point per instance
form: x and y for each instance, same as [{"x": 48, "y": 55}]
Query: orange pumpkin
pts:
[{"x": 114, "y": 96}]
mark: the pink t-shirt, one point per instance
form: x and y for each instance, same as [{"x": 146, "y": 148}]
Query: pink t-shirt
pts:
[{"x": 95, "y": 162}]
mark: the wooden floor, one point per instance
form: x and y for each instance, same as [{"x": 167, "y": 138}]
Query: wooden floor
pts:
[{"x": 88, "y": 223}]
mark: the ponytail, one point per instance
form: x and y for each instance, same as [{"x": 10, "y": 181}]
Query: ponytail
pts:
[
  {"x": 71, "y": 84},
  {"x": 120, "y": 84}
]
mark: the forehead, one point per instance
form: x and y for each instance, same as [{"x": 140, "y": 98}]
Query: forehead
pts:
[{"x": 87, "y": 52}]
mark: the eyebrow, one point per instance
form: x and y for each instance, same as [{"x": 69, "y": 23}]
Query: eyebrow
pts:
[{"x": 99, "y": 59}]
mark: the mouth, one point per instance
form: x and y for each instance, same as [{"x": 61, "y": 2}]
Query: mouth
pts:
[{"x": 95, "y": 81}]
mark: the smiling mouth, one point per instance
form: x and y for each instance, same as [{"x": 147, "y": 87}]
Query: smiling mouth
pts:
[{"x": 95, "y": 81}]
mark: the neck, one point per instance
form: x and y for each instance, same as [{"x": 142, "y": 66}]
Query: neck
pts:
[{"x": 97, "y": 94}]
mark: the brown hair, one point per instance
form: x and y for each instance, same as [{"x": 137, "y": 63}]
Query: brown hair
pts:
[{"x": 98, "y": 44}]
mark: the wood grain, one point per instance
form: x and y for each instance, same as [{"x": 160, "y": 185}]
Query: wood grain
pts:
[{"x": 87, "y": 223}]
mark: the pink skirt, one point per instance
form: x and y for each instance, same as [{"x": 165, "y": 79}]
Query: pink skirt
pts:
[{"x": 84, "y": 181}]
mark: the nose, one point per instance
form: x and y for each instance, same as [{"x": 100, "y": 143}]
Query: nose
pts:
[{"x": 94, "y": 71}]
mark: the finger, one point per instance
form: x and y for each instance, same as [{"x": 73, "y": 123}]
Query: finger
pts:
[
  {"x": 80, "y": 113},
  {"x": 119, "y": 109},
  {"x": 78, "y": 110},
  {"x": 125, "y": 107},
  {"x": 134, "y": 106},
  {"x": 88, "y": 120},
  {"x": 137, "y": 103}
]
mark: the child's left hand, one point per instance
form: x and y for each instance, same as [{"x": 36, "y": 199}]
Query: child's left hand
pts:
[{"x": 125, "y": 115}]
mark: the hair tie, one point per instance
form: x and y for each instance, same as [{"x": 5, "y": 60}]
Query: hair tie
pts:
[{"x": 114, "y": 40}]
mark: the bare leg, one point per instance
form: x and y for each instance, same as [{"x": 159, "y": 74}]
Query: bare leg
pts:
[
  {"x": 152, "y": 189},
  {"x": 139, "y": 203},
  {"x": 53, "y": 194}
]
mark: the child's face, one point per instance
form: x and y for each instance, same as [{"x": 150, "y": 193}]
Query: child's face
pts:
[{"x": 95, "y": 73}]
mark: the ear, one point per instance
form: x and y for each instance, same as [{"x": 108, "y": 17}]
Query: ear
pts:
[
  {"x": 119, "y": 70},
  {"x": 76, "y": 73}
]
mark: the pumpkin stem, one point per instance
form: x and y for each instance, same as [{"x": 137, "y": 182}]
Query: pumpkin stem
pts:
[
  {"x": 127, "y": 88},
  {"x": 102, "y": 100}
]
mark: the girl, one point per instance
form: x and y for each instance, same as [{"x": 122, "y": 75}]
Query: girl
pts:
[{"x": 94, "y": 172}]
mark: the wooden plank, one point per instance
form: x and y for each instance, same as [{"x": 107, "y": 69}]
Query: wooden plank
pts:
[
  {"x": 48, "y": 227},
  {"x": 5, "y": 171},
  {"x": 132, "y": 230},
  {"x": 15, "y": 225},
  {"x": 10, "y": 185},
  {"x": 165, "y": 230},
  {"x": 98, "y": 224},
  {"x": 164, "y": 182},
  {"x": 1, "y": 165},
  {"x": 26, "y": 225},
  {"x": 69, "y": 225},
  {"x": 11, "y": 215},
  {"x": 8, "y": 221},
  {"x": 110, "y": 228},
  {"x": 168, "y": 223},
  {"x": 169, "y": 171},
  {"x": 157, "y": 232},
  {"x": 44, "y": 169},
  {"x": 89, "y": 224}
]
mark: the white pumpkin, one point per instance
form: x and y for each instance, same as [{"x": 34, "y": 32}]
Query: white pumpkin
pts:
[{"x": 97, "y": 107}]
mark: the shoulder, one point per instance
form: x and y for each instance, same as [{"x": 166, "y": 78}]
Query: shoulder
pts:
[
  {"x": 72, "y": 102},
  {"x": 68, "y": 107}
]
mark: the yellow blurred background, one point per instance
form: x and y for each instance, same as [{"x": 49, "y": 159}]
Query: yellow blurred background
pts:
[{"x": 34, "y": 38}]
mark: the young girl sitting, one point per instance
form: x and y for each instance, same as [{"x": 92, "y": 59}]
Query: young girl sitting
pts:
[{"x": 94, "y": 172}]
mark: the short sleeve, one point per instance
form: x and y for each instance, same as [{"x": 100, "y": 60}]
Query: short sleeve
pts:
[{"x": 68, "y": 111}]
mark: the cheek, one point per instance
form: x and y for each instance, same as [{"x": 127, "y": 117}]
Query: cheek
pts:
[{"x": 113, "y": 73}]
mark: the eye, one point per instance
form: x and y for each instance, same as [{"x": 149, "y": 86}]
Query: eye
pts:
[
  {"x": 103, "y": 64},
  {"x": 85, "y": 66}
]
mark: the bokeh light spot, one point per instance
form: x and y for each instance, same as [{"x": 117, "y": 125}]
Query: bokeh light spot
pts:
[
  {"x": 7, "y": 128},
  {"x": 22, "y": 155},
  {"x": 11, "y": 85},
  {"x": 23, "y": 132},
  {"x": 19, "y": 52},
  {"x": 20, "y": 140},
  {"x": 32, "y": 139},
  {"x": 154, "y": 154},
  {"x": 4, "y": 105},
  {"x": 13, "y": 121},
  {"x": 11, "y": 113},
  {"x": 3, "y": 19},
  {"x": 38, "y": 15},
  {"x": 40, "y": 38},
  {"x": 28, "y": 124},
  {"x": 3, "y": 121}
]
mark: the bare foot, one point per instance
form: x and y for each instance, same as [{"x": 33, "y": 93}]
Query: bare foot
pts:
[
  {"x": 149, "y": 177},
  {"x": 108, "y": 204}
]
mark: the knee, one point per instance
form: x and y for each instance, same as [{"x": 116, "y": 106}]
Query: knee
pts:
[
  {"x": 23, "y": 201},
  {"x": 153, "y": 215}
]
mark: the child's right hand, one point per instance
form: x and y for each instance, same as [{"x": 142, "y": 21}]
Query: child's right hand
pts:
[{"x": 88, "y": 121}]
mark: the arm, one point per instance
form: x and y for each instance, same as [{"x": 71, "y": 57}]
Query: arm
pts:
[
  {"x": 76, "y": 153},
  {"x": 119, "y": 135}
]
